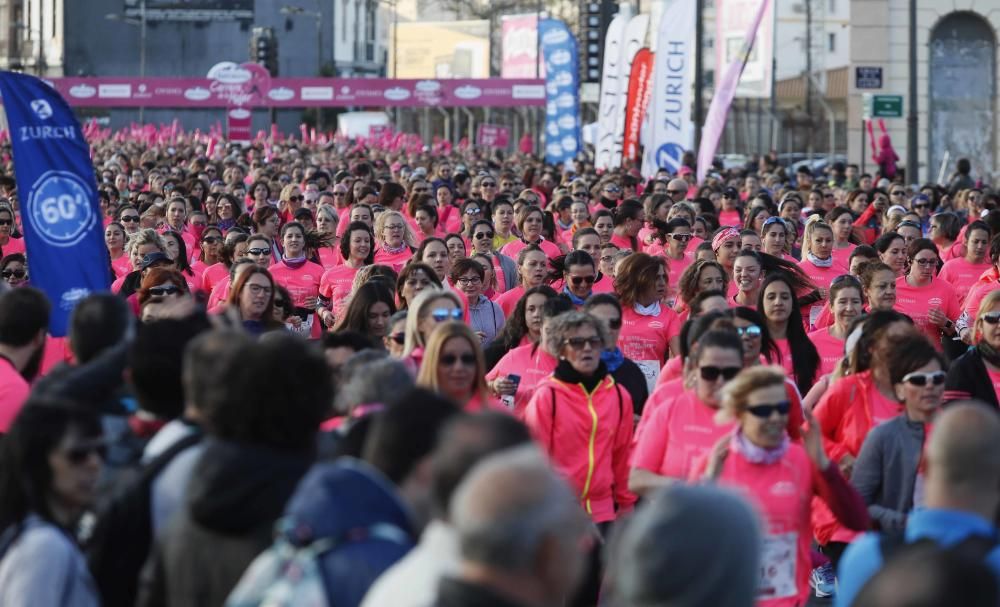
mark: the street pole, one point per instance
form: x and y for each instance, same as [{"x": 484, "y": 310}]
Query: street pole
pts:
[
  {"x": 809, "y": 87},
  {"x": 699, "y": 60},
  {"x": 911, "y": 117},
  {"x": 142, "y": 50},
  {"x": 319, "y": 59},
  {"x": 538, "y": 127}
]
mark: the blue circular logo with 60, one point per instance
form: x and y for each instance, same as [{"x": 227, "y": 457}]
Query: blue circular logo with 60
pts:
[{"x": 60, "y": 208}]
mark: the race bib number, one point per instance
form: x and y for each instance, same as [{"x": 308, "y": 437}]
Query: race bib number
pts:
[
  {"x": 651, "y": 371},
  {"x": 814, "y": 313},
  {"x": 777, "y": 566}
]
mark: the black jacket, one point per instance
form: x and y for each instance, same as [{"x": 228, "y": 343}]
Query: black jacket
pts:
[
  {"x": 968, "y": 379},
  {"x": 630, "y": 376},
  {"x": 236, "y": 494}
]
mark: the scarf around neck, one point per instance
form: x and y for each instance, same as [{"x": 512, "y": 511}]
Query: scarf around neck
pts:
[
  {"x": 820, "y": 263},
  {"x": 295, "y": 262},
  {"x": 613, "y": 359},
  {"x": 989, "y": 353},
  {"x": 393, "y": 250},
  {"x": 650, "y": 310},
  {"x": 754, "y": 454},
  {"x": 577, "y": 301}
]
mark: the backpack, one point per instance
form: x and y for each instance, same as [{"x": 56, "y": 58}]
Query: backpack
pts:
[
  {"x": 287, "y": 575},
  {"x": 123, "y": 534}
]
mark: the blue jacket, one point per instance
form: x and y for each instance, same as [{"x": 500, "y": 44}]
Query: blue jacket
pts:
[
  {"x": 354, "y": 504},
  {"x": 863, "y": 558}
]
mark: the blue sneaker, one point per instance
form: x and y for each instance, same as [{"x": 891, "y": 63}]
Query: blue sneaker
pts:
[{"x": 824, "y": 581}]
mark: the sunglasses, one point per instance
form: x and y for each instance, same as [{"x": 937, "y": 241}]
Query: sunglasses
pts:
[
  {"x": 164, "y": 291},
  {"x": 991, "y": 318},
  {"x": 130, "y": 218},
  {"x": 922, "y": 379},
  {"x": 751, "y": 331},
  {"x": 579, "y": 280},
  {"x": 79, "y": 454},
  {"x": 681, "y": 237},
  {"x": 467, "y": 360},
  {"x": 296, "y": 198},
  {"x": 211, "y": 239},
  {"x": 712, "y": 373},
  {"x": 472, "y": 211},
  {"x": 579, "y": 194},
  {"x": 766, "y": 411},
  {"x": 483, "y": 235},
  {"x": 5, "y": 222},
  {"x": 897, "y": 193},
  {"x": 613, "y": 189},
  {"x": 443, "y": 314},
  {"x": 258, "y": 251},
  {"x": 580, "y": 343},
  {"x": 399, "y": 338},
  {"x": 13, "y": 274}
]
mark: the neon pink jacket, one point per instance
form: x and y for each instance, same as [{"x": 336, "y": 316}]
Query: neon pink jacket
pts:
[{"x": 588, "y": 436}]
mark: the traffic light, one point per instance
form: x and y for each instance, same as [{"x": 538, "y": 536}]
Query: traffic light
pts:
[
  {"x": 264, "y": 48},
  {"x": 595, "y": 17}
]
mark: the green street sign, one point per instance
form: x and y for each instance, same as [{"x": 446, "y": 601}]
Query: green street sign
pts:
[{"x": 882, "y": 106}]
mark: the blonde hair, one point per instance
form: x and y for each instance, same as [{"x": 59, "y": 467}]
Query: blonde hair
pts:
[
  {"x": 815, "y": 222},
  {"x": 735, "y": 393},
  {"x": 409, "y": 238},
  {"x": 428, "y": 374},
  {"x": 992, "y": 299},
  {"x": 145, "y": 236},
  {"x": 418, "y": 310}
]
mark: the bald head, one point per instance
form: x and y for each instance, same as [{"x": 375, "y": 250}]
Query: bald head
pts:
[
  {"x": 677, "y": 185},
  {"x": 963, "y": 454},
  {"x": 509, "y": 505}
]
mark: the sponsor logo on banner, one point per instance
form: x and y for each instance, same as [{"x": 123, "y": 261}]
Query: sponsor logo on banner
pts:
[
  {"x": 82, "y": 91},
  {"x": 528, "y": 91},
  {"x": 397, "y": 93},
  {"x": 316, "y": 93},
  {"x": 281, "y": 93},
  {"x": 468, "y": 92},
  {"x": 519, "y": 39},
  {"x": 114, "y": 91},
  {"x": 562, "y": 116},
  {"x": 635, "y": 38},
  {"x": 607, "y": 110},
  {"x": 493, "y": 136},
  {"x": 672, "y": 93},
  {"x": 197, "y": 94}
]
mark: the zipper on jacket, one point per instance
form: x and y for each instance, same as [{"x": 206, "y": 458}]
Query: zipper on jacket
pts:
[{"x": 590, "y": 446}]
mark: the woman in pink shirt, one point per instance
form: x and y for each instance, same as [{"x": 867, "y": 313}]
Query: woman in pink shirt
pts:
[
  {"x": 682, "y": 429},
  {"x": 780, "y": 477},
  {"x": 336, "y": 283},
  {"x": 845, "y": 306},
  {"x": 678, "y": 235},
  {"x": 529, "y": 222},
  {"x": 414, "y": 278},
  {"x": 963, "y": 272},
  {"x": 778, "y": 304},
  {"x": 844, "y": 239},
  {"x": 395, "y": 240},
  {"x": 774, "y": 238},
  {"x": 532, "y": 268},
  {"x": 9, "y": 244},
  {"x": 928, "y": 300},
  {"x": 266, "y": 222},
  {"x": 301, "y": 277},
  {"x": 892, "y": 252},
  {"x": 327, "y": 225},
  {"x": 210, "y": 250},
  {"x": 114, "y": 240},
  {"x": 818, "y": 263},
  {"x": 725, "y": 245},
  {"x": 628, "y": 218},
  {"x": 650, "y": 330},
  {"x": 748, "y": 269},
  {"x": 453, "y": 366}
]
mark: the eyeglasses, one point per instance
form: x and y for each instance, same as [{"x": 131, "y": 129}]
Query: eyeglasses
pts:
[
  {"x": 579, "y": 280},
  {"x": 395, "y": 227},
  {"x": 748, "y": 331},
  {"x": 399, "y": 338},
  {"x": 443, "y": 314},
  {"x": 766, "y": 411},
  {"x": 470, "y": 280},
  {"x": 473, "y": 211},
  {"x": 925, "y": 263},
  {"x": 681, "y": 237},
  {"x": 256, "y": 251},
  {"x": 260, "y": 290},
  {"x": 581, "y": 343},
  {"x": 14, "y": 274},
  {"x": 467, "y": 360},
  {"x": 483, "y": 235},
  {"x": 712, "y": 373},
  {"x": 125, "y": 219},
  {"x": 613, "y": 189},
  {"x": 921, "y": 379},
  {"x": 79, "y": 454},
  {"x": 164, "y": 291},
  {"x": 211, "y": 239},
  {"x": 421, "y": 190},
  {"x": 991, "y": 318}
]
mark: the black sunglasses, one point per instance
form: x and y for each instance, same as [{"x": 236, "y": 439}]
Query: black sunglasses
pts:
[
  {"x": 130, "y": 218},
  {"x": 991, "y": 318},
  {"x": 296, "y": 198},
  {"x": 399, "y": 338},
  {"x": 467, "y": 360},
  {"x": 163, "y": 291},
  {"x": 615, "y": 324},
  {"x": 579, "y": 280},
  {"x": 5, "y": 222},
  {"x": 765, "y": 411},
  {"x": 712, "y": 373},
  {"x": 258, "y": 251},
  {"x": 482, "y": 235},
  {"x": 14, "y": 273},
  {"x": 78, "y": 454}
]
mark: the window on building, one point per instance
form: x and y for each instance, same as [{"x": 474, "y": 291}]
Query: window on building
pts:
[
  {"x": 831, "y": 42},
  {"x": 343, "y": 20}
]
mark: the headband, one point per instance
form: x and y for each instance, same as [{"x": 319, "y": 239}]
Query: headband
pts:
[{"x": 723, "y": 236}]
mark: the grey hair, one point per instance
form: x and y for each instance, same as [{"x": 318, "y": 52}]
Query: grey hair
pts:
[
  {"x": 508, "y": 505},
  {"x": 557, "y": 328},
  {"x": 146, "y": 236},
  {"x": 370, "y": 377},
  {"x": 330, "y": 213}
]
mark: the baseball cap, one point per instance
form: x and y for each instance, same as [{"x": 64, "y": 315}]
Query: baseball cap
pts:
[
  {"x": 152, "y": 259},
  {"x": 731, "y": 193}
]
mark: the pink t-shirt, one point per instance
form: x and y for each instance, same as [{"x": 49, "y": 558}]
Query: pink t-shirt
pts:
[
  {"x": 122, "y": 266},
  {"x": 533, "y": 367},
  {"x": 731, "y": 219},
  {"x": 213, "y": 275},
  {"x": 13, "y": 392},
  {"x": 786, "y": 357},
  {"x": 976, "y": 296},
  {"x": 916, "y": 302},
  {"x": 646, "y": 339},
  {"x": 622, "y": 242},
  {"x": 330, "y": 257},
  {"x": 679, "y": 432},
  {"x": 302, "y": 283},
  {"x": 335, "y": 285},
  {"x": 830, "y": 349},
  {"x": 962, "y": 275},
  {"x": 508, "y": 300},
  {"x": 513, "y": 248},
  {"x": 821, "y": 277},
  {"x": 995, "y": 380},
  {"x": 395, "y": 260},
  {"x": 220, "y": 293},
  {"x": 14, "y": 245},
  {"x": 842, "y": 257},
  {"x": 883, "y": 409}
]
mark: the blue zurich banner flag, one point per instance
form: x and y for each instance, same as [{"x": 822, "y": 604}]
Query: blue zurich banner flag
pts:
[
  {"x": 562, "y": 91},
  {"x": 57, "y": 192}
]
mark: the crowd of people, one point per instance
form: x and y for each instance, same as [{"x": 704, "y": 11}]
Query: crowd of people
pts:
[{"x": 343, "y": 376}]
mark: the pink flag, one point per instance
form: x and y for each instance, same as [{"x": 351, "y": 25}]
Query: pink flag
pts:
[{"x": 719, "y": 108}]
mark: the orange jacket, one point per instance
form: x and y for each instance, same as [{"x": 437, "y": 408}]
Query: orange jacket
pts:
[{"x": 588, "y": 436}]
